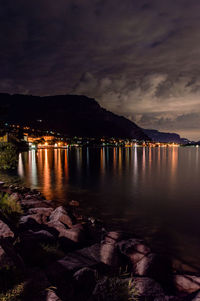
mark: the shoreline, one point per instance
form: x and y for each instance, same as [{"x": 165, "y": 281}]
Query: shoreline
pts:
[{"x": 60, "y": 246}]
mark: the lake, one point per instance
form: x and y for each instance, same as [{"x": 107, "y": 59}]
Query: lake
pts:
[{"x": 151, "y": 192}]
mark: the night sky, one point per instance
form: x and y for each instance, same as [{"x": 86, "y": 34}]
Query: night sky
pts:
[{"x": 140, "y": 59}]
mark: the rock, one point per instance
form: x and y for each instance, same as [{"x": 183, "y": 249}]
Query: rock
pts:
[
  {"x": 37, "y": 287},
  {"x": 75, "y": 234},
  {"x": 5, "y": 260},
  {"x": 2, "y": 183},
  {"x": 85, "y": 281},
  {"x": 74, "y": 203},
  {"x": 90, "y": 256},
  {"x": 41, "y": 210},
  {"x": 24, "y": 220},
  {"x": 33, "y": 203},
  {"x": 87, "y": 257},
  {"x": 147, "y": 287},
  {"x": 187, "y": 283},
  {"x": 51, "y": 296},
  {"x": 109, "y": 254},
  {"x": 127, "y": 247},
  {"x": 37, "y": 237},
  {"x": 5, "y": 231},
  {"x": 196, "y": 297},
  {"x": 112, "y": 237},
  {"x": 61, "y": 215},
  {"x": 145, "y": 263},
  {"x": 9, "y": 251}
]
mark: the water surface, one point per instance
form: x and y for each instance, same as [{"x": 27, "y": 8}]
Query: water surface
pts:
[{"x": 152, "y": 192}]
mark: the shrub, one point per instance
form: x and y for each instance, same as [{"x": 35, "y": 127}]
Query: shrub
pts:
[
  {"x": 8, "y": 156},
  {"x": 10, "y": 208}
]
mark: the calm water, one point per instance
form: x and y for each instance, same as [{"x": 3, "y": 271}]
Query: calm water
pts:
[{"x": 153, "y": 192}]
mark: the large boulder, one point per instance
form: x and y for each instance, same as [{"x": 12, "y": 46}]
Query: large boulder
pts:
[
  {"x": 187, "y": 283},
  {"x": 146, "y": 263},
  {"x": 61, "y": 215},
  {"x": 5, "y": 231}
]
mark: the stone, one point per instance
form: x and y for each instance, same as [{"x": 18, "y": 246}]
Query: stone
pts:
[
  {"x": 9, "y": 251},
  {"x": 24, "y": 220},
  {"x": 5, "y": 260},
  {"x": 85, "y": 281},
  {"x": 37, "y": 287},
  {"x": 129, "y": 246},
  {"x": 33, "y": 203},
  {"x": 41, "y": 236},
  {"x": 112, "y": 237},
  {"x": 51, "y": 296},
  {"x": 147, "y": 287},
  {"x": 109, "y": 254},
  {"x": 61, "y": 215},
  {"x": 196, "y": 297},
  {"x": 5, "y": 231},
  {"x": 142, "y": 264},
  {"x": 74, "y": 203},
  {"x": 41, "y": 210},
  {"x": 187, "y": 283}
]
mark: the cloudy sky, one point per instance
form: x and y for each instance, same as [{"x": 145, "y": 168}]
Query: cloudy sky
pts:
[{"x": 138, "y": 58}]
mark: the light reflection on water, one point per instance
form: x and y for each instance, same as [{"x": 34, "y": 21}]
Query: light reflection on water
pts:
[{"x": 154, "y": 192}]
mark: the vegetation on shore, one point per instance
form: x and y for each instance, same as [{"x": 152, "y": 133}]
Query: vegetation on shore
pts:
[{"x": 8, "y": 156}]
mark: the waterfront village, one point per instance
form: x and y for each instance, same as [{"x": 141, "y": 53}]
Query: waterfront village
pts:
[{"x": 37, "y": 139}]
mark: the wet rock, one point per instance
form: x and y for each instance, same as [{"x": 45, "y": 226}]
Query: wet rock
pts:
[
  {"x": 74, "y": 203},
  {"x": 33, "y": 203},
  {"x": 187, "y": 283},
  {"x": 61, "y": 215},
  {"x": 5, "y": 231}
]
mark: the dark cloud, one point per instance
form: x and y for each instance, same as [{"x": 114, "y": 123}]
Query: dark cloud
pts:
[{"x": 138, "y": 58}]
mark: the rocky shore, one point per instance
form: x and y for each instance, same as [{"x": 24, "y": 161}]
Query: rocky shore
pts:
[{"x": 57, "y": 254}]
